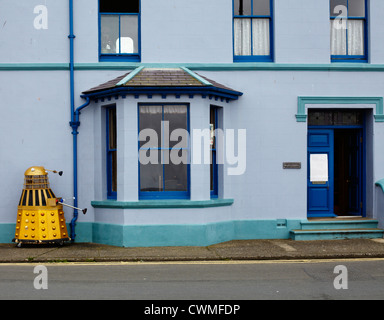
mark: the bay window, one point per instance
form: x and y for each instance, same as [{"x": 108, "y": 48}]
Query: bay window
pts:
[{"x": 163, "y": 151}]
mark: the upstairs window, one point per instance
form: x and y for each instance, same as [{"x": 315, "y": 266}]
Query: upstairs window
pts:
[
  {"x": 119, "y": 30},
  {"x": 348, "y": 20},
  {"x": 252, "y": 30}
]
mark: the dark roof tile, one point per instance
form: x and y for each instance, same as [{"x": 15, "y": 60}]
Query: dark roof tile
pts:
[
  {"x": 166, "y": 77},
  {"x": 107, "y": 85}
]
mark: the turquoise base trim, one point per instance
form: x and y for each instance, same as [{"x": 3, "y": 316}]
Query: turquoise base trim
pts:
[
  {"x": 173, "y": 235},
  {"x": 380, "y": 184},
  {"x": 212, "y": 233},
  {"x": 7, "y": 232},
  {"x": 83, "y": 231},
  {"x": 190, "y": 235},
  {"x": 148, "y": 204}
]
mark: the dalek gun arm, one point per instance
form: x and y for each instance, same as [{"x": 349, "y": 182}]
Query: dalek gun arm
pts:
[{"x": 61, "y": 201}]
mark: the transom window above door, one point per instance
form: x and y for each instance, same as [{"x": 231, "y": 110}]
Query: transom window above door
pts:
[
  {"x": 335, "y": 117},
  {"x": 252, "y": 30}
]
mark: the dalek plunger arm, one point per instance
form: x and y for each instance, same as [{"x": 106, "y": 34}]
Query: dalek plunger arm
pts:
[{"x": 59, "y": 200}]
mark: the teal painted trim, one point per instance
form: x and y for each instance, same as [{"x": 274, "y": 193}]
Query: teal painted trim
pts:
[
  {"x": 7, "y": 232},
  {"x": 173, "y": 235},
  {"x": 33, "y": 66},
  {"x": 130, "y": 76},
  {"x": 110, "y": 234},
  {"x": 380, "y": 184},
  {"x": 301, "y": 118},
  {"x": 190, "y": 235},
  {"x": 196, "y": 76},
  {"x": 84, "y": 231},
  {"x": 108, "y": 66},
  {"x": 148, "y": 204},
  {"x": 379, "y": 117},
  {"x": 256, "y": 66},
  {"x": 301, "y": 115}
]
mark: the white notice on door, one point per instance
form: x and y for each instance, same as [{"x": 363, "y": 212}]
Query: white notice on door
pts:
[{"x": 318, "y": 167}]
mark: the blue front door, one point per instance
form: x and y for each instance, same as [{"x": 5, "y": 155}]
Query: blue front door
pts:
[
  {"x": 335, "y": 172},
  {"x": 320, "y": 173}
]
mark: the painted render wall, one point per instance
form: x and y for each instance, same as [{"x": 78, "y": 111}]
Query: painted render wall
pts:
[
  {"x": 184, "y": 32},
  {"x": 36, "y": 112},
  {"x": 37, "y": 123},
  {"x": 267, "y": 111}
]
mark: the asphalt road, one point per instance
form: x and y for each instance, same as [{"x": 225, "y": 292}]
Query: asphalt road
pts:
[{"x": 313, "y": 280}]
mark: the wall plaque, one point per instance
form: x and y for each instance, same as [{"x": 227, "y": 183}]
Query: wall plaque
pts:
[{"x": 291, "y": 165}]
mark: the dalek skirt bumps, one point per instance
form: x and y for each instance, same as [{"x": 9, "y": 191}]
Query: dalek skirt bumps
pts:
[{"x": 40, "y": 215}]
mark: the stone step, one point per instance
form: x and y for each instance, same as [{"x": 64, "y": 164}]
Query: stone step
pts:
[
  {"x": 334, "y": 234},
  {"x": 339, "y": 224}
]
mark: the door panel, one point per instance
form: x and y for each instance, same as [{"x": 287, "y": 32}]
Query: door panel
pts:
[{"x": 320, "y": 172}]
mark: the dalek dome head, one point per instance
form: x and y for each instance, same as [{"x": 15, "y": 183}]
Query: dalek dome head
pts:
[
  {"x": 35, "y": 171},
  {"x": 36, "y": 178}
]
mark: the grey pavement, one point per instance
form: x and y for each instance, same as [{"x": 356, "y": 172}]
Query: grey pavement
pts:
[{"x": 231, "y": 250}]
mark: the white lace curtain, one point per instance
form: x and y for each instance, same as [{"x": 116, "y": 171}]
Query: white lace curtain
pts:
[
  {"x": 350, "y": 36},
  {"x": 251, "y": 43}
]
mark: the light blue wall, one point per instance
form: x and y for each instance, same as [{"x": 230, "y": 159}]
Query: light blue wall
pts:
[
  {"x": 34, "y": 131},
  {"x": 302, "y": 31},
  {"x": 35, "y": 104},
  {"x": 187, "y": 31},
  {"x": 267, "y": 110},
  {"x": 20, "y": 41},
  {"x": 376, "y": 31},
  {"x": 172, "y": 31}
]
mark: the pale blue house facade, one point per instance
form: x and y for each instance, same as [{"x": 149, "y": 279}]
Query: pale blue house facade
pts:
[{"x": 294, "y": 87}]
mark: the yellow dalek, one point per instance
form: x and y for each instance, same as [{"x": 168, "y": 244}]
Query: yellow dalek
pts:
[{"x": 40, "y": 215}]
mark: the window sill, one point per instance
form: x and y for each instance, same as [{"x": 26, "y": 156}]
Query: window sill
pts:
[
  {"x": 351, "y": 60},
  {"x": 119, "y": 58},
  {"x": 252, "y": 59},
  {"x": 158, "y": 204}
]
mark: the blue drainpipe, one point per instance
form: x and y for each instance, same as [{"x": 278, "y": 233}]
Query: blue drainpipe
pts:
[
  {"x": 75, "y": 115},
  {"x": 75, "y": 124}
]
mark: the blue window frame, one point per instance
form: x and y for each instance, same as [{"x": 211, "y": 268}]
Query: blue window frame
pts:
[
  {"x": 213, "y": 147},
  {"x": 111, "y": 146},
  {"x": 348, "y": 26},
  {"x": 252, "y": 30},
  {"x": 119, "y": 30},
  {"x": 163, "y": 151}
]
